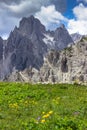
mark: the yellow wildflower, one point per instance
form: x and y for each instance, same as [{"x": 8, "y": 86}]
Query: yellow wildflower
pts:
[
  {"x": 42, "y": 121},
  {"x": 46, "y": 116},
  {"x": 43, "y": 112},
  {"x": 50, "y": 112}
]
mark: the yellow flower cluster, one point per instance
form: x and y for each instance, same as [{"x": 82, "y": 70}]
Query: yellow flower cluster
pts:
[
  {"x": 14, "y": 105},
  {"x": 47, "y": 115},
  {"x": 50, "y": 112},
  {"x": 42, "y": 121}
]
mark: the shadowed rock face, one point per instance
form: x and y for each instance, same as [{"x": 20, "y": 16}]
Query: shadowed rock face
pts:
[
  {"x": 53, "y": 57},
  {"x": 64, "y": 66},
  {"x": 30, "y": 26},
  {"x": 25, "y": 44},
  {"x": 62, "y": 38},
  {"x": 21, "y": 51},
  {"x": 1, "y": 48}
]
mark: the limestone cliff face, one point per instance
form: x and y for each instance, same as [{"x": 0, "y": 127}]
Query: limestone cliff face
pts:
[{"x": 66, "y": 66}]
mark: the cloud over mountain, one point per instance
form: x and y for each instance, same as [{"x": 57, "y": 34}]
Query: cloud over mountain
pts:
[
  {"x": 50, "y": 12},
  {"x": 79, "y": 24},
  {"x": 11, "y": 11},
  {"x": 49, "y": 15}
]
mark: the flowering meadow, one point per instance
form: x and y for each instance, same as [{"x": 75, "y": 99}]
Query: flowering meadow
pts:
[{"x": 25, "y": 106}]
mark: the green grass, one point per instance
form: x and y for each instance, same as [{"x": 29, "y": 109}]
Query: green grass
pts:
[{"x": 43, "y": 107}]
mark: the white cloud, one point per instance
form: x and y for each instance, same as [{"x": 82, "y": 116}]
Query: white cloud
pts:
[
  {"x": 79, "y": 24},
  {"x": 80, "y": 12},
  {"x": 11, "y": 11},
  {"x": 18, "y": 8},
  {"x": 49, "y": 15},
  {"x": 24, "y": 8},
  {"x": 6, "y": 23}
]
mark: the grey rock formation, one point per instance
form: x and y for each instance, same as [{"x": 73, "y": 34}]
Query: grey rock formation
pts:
[
  {"x": 66, "y": 66},
  {"x": 58, "y": 39},
  {"x": 1, "y": 48},
  {"x": 30, "y": 26},
  {"x": 62, "y": 38},
  {"x": 26, "y": 47},
  {"x": 25, "y": 44}
]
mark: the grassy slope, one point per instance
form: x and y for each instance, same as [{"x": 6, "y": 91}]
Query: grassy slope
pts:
[{"x": 42, "y": 107}]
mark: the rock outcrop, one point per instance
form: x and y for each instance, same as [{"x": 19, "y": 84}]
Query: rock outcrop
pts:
[{"x": 65, "y": 66}]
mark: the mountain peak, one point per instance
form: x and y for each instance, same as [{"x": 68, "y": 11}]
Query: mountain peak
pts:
[
  {"x": 32, "y": 17},
  {"x": 62, "y": 37},
  {"x": 30, "y": 25},
  {"x": 27, "y": 19},
  {"x": 62, "y": 26}
]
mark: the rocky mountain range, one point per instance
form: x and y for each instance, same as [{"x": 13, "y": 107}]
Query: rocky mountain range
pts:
[{"x": 33, "y": 54}]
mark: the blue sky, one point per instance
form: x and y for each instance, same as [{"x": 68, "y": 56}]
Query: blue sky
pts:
[
  {"x": 70, "y": 5},
  {"x": 73, "y": 13}
]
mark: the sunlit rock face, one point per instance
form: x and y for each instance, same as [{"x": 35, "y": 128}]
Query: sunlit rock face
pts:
[{"x": 66, "y": 66}]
